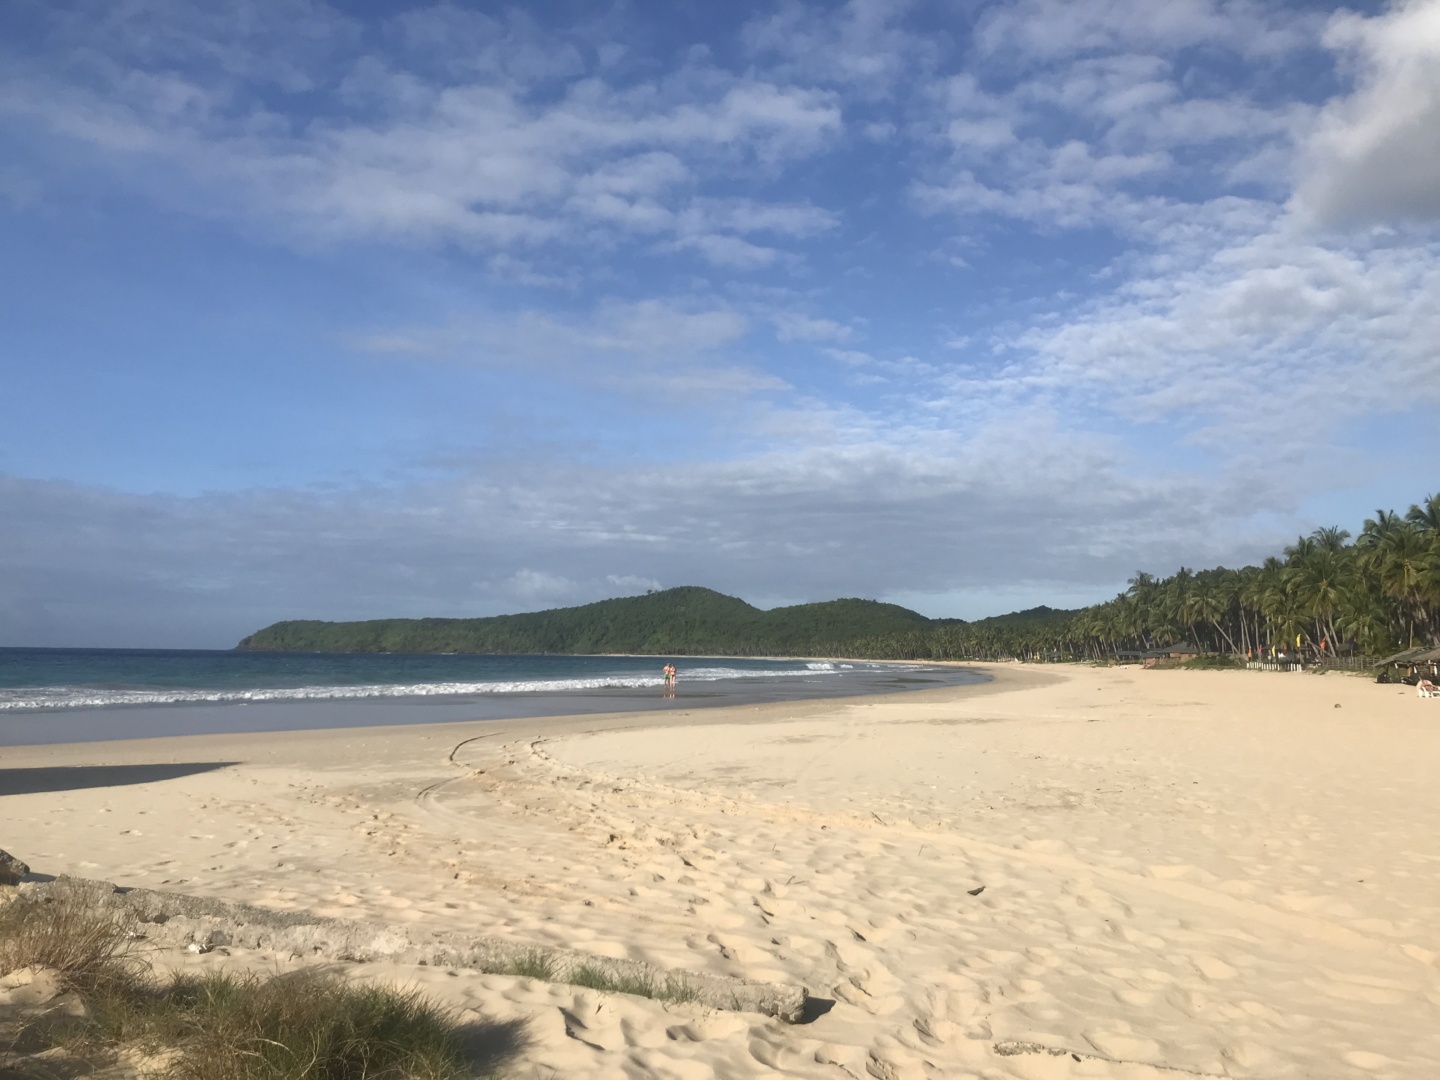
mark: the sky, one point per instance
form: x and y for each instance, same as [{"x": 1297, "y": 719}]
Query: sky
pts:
[{"x": 354, "y": 311}]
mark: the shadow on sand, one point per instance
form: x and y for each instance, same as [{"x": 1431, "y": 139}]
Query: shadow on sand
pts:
[
  {"x": 75, "y": 777},
  {"x": 491, "y": 1045}
]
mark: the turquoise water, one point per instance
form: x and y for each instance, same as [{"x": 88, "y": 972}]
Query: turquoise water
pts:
[{"x": 63, "y": 695}]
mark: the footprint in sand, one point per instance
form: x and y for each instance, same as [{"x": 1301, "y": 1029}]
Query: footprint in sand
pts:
[
  {"x": 1213, "y": 968},
  {"x": 932, "y": 1031},
  {"x": 1124, "y": 1046},
  {"x": 738, "y": 952},
  {"x": 1365, "y": 1059},
  {"x": 779, "y": 1054},
  {"x": 717, "y": 1026},
  {"x": 644, "y": 1035},
  {"x": 585, "y": 1025},
  {"x": 865, "y": 982}
]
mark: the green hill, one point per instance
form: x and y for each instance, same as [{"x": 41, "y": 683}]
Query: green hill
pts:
[
  {"x": 685, "y": 621},
  {"x": 1039, "y": 614}
]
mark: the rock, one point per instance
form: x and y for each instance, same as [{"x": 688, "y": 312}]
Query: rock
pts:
[{"x": 11, "y": 869}]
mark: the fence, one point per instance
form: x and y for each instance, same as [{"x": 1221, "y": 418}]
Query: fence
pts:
[
  {"x": 1328, "y": 663},
  {"x": 1349, "y": 663}
]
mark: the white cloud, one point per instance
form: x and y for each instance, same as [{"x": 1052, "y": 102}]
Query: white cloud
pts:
[
  {"x": 794, "y": 326},
  {"x": 863, "y": 45},
  {"x": 728, "y": 251},
  {"x": 630, "y": 584},
  {"x": 1374, "y": 155},
  {"x": 463, "y": 43},
  {"x": 1224, "y": 319},
  {"x": 648, "y": 347},
  {"x": 440, "y": 152},
  {"x": 538, "y": 586},
  {"x": 1050, "y": 29},
  {"x": 1270, "y": 346},
  {"x": 1091, "y": 114},
  {"x": 279, "y": 43}
]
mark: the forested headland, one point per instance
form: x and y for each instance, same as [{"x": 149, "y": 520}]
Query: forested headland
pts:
[
  {"x": 1327, "y": 593},
  {"x": 686, "y": 621}
]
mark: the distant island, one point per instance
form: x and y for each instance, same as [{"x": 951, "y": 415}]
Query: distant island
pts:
[{"x": 685, "y": 621}]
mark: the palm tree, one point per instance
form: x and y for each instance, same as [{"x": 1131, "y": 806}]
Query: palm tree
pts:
[
  {"x": 1400, "y": 559},
  {"x": 1211, "y": 601},
  {"x": 1383, "y": 524},
  {"x": 1425, "y": 516},
  {"x": 1320, "y": 586},
  {"x": 1382, "y": 590}
]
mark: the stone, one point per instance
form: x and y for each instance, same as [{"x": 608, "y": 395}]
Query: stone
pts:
[{"x": 12, "y": 870}]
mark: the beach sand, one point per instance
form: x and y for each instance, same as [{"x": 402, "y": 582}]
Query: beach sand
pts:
[{"x": 1069, "y": 872}]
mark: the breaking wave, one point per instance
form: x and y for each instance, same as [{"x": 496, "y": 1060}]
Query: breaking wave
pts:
[{"x": 80, "y": 697}]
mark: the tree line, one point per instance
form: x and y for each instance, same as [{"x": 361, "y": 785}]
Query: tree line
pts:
[{"x": 1328, "y": 594}]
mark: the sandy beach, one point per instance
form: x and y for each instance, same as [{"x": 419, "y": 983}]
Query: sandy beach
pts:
[{"x": 1068, "y": 872}]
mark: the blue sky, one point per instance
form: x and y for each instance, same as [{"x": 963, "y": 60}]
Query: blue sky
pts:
[{"x": 352, "y": 311}]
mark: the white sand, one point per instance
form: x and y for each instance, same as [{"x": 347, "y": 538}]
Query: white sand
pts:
[{"x": 1184, "y": 873}]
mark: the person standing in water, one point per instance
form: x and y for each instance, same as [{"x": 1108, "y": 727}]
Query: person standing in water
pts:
[{"x": 669, "y": 680}]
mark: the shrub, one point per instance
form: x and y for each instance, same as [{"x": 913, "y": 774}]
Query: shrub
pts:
[{"x": 1211, "y": 662}]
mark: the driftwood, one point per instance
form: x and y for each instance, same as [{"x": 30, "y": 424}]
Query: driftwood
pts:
[{"x": 178, "y": 920}]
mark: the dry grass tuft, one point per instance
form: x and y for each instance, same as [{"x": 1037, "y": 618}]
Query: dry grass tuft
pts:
[
  {"x": 71, "y": 932},
  {"x": 308, "y": 1025},
  {"x": 312, "y": 1025},
  {"x": 534, "y": 964},
  {"x": 672, "y": 988}
]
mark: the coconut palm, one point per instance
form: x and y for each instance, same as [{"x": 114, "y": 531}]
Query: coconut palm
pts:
[
  {"x": 1425, "y": 516},
  {"x": 1380, "y": 591}
]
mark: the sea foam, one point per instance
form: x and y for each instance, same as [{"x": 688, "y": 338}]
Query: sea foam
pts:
[{"x": 80, "y": 697}]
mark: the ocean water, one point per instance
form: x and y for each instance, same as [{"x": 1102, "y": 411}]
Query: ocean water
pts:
[{"x": 67, "y": 695}]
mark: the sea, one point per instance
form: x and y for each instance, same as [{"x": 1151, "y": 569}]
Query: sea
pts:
[{"x": 82, "y": 695}]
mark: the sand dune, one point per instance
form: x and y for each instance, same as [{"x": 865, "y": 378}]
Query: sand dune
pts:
[{"x": 1067, "y": 873}]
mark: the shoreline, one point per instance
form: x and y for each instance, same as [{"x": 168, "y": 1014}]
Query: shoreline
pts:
[
  {"x": 521, "y": 727},
  {"x": 125, "y": 720}
]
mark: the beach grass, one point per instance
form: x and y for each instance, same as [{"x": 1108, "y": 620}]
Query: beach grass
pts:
[
  {"x": 599, "y": 975},
  {"x": 534, "y": 964},
  {"x": 672, "y": 987},
  {"x": 73, "y": 935},
  {"x": 310, "y": 1024}
]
